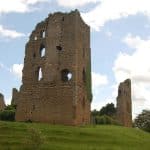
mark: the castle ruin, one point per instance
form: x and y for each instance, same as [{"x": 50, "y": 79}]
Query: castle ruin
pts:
[
  {"x": 14, "y": 96},
  {"x": 124, "y": 104},
  {"x": 57, "y": 72},
  {"x": 2, "y": 103}
]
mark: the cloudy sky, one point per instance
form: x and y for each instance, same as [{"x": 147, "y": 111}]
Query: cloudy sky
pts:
[{"x": 120, "y": 44}]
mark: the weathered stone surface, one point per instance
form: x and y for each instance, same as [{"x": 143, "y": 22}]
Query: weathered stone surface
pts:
[
  {"x": 57, "y": 72},
  {"x": 2, "y": 102},
  {"x": 124, "y": 104}
]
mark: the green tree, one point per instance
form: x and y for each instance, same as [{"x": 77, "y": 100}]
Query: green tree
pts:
[
  {"x": 108, "y": 110},
  {"x": 95, "y": 112},
  {"x": 106, "y": 115},
  {"x": 10, "y": 107},
  {"x": 142, "y": 121}
]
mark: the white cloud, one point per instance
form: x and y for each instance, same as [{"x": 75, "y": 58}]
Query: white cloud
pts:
[
  {"x": 110, "y": 10},
  {"x": 75, "y": 3},
  {"x": 32, "y": 2},
  {"x": 131, "y": 41},
  {"x": 4, "y": 67},
  {"x": 1, "y": 65},
  {"x": 10, "y": 33},
  {"x": 135, "y": 66},
  {"x": 98, "y": 80},
  {"x": 17, "y": 70},
  {"x": 8, "y": 100},
  {"x": 20, "y": 6},
  {"x": 108, "y": 34}
]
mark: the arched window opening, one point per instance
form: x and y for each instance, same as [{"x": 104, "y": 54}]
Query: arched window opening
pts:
[
  {"x": 40, "y": 75},
  {"x": 62, "y": 18},
  {"x": 69, "y": 76},
  {"x": 84, "y": 75},
  {"x": 42, "y": 51},
  {"x": 42, "y": 34},
  {"x": 58, "y": 47},
  {"x": 35, "y": 38},
  {"x": 66, "y": 75}
]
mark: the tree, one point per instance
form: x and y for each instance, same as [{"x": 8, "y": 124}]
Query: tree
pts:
[
  {"x": 142, "y": 121},
  {"x": 8, "y": 114},
  {"x": 95, "y": 112},
  {"x": 106, "y": 115},
  {"x": 108, "y": 110},
  {"x": 105, "y": 120},
  {"x": 10, "y": 107}
]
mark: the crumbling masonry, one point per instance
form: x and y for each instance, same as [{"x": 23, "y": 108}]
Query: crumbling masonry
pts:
[
  {"x": 57, "y": 72},
  {"x": 2, "y": 103},
  {"x": 124, "y": 104}
]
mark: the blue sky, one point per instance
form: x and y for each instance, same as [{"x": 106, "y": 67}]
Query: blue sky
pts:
[{"x": 120, "y": 44}]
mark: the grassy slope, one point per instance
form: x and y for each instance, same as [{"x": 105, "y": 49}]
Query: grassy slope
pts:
[{"x": 49, "y": 137}]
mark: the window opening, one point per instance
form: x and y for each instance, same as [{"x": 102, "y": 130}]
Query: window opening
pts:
[
  {"x": 66, "y": 75},
  {"x": 43, "y": 34},
  {"x": 59, "y": 48},
  {"x": 42, "y": 51},
  {"x": 40, "y": 76},
  {"x": 35, "y": 38}
]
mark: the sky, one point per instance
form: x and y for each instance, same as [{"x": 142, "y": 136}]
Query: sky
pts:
[{"x": 120, "y": 44}]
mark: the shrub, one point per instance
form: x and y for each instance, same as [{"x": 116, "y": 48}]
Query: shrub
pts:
[
  {"x": 7, "y": 115},
  {"x": 35, "y": 140},
  {"x": 105, "y": 120}
]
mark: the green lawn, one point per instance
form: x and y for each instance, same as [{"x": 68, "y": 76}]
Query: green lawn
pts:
[{"x": 21, "y": 136}]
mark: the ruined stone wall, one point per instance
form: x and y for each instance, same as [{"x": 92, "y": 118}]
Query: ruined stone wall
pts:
[
  {"x": 14, "y": 96},
  {"x": 54, "y": 78},
  {"x": 2, "y": 102},
  {"x": 124, "y": 104}
]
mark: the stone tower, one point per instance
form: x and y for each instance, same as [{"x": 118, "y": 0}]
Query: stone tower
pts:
[
  {"x": 14, "y": 96},
  {"x": 57, "y": 72},
  {"x": 2, "y": 103},
  {"x": 124, "y": 104}
]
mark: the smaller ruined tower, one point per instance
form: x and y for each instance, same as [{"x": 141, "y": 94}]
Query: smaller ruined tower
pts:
[
  {"x": 14, "y": 96},
  {"x": 2, "y": 103},
  {"x": 124, "y": 104}
]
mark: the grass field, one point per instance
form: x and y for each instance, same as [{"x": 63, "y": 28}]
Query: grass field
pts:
[{"x": 34, "y": 136}]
